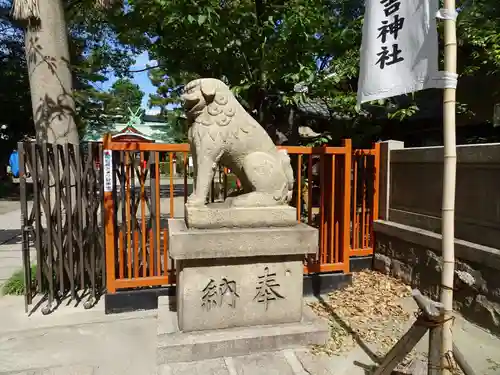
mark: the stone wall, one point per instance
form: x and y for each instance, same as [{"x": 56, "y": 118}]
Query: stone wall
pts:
[
  {"x": 411, "y": 189},
  {"x": 414, "y": 256}
]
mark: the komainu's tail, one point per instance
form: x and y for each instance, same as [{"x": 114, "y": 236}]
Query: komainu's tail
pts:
[{"x": 288, "y": 171}]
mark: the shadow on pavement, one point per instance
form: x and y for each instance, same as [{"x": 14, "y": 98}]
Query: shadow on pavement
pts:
[
  {"x": 10, "y": 236},
  {"x": 345, "y": 326}
]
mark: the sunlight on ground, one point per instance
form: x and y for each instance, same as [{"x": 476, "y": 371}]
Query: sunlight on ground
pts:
[{"x": 371, "y": 310}]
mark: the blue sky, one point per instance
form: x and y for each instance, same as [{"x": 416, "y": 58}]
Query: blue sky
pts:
[{"x": 140, "y": 78}]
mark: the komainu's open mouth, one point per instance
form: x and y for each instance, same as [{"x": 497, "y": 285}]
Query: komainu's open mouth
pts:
[{"x": 190, "y": 105}]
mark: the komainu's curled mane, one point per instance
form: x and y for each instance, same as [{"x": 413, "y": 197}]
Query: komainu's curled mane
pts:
[{"x": 221, "y": 130}]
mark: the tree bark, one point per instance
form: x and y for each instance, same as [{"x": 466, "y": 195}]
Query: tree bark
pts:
[{"x": 47, "y": 55}]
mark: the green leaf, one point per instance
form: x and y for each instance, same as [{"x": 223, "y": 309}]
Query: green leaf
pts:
[{"x": 201, "y": 19}]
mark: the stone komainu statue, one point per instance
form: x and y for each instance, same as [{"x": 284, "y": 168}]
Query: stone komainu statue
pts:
[{"x": 220, "y": 130}]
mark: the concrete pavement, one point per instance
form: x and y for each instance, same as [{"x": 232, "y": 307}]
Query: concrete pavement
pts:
[
  {"x": 7, "y": 206},
  {"x": 10, "y": 243},
  {"x": 74, "y": 341}
]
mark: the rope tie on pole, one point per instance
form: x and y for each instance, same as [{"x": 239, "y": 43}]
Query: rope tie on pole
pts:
[
  {"x": 446, "y": 287},
  {"x": 435, "y": 322},
  {"x": 26, "y": 11},
  {"x": 431, "y": 323},
  {"x": 447, "y": 14},
  {"x": 446, "y": 80},
  {"x": 451, "y": 364}
]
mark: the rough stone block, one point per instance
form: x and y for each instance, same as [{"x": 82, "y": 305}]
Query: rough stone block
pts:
[
  {"x": 187, "y": 243},
  {"x": 488, "y": 312},
  {"x": 382, "y": 263},
  {"x": 414, "y": 257},
  {"x": 221, "y": 215},
  {"x": 223, "y": 293},
  {"x": 402, "y": 271}
]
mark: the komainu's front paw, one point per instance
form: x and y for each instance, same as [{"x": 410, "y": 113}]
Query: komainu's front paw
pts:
[{"x": 195, "y": 200}]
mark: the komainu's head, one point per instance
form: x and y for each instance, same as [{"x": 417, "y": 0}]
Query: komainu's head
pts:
[{"x": 208, "y": 101}]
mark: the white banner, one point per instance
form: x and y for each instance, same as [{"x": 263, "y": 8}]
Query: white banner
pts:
[{"x": 399, "y": 50}]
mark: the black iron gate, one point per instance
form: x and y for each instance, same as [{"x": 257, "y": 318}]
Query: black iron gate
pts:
[{"x": 61, "y": 218}]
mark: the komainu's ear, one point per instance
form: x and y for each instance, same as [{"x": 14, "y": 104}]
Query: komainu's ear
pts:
[{"x": 208, "y": 89}]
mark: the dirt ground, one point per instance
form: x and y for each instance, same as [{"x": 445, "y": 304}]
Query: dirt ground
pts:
[{"x": 377, "y": 310}]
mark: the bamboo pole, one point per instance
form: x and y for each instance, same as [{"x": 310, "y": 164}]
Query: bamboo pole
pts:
[{"x": 449, "y": 182}]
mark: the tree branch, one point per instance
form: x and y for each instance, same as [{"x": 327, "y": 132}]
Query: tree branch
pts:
[
  {"x": 324, "y": 61},
  {"x": 145, "y": 69},
  {"x": 259, "y": 11}
]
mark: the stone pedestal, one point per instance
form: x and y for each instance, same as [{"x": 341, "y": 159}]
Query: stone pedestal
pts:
[
  {"x": 239, "y": 277},
  {"x": 222, "y": 215},
  {"x": 239, "y": 286}
]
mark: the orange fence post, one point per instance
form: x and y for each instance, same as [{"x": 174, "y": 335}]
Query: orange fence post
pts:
[
  {"x": 376, "y": 189},
  {"x": 143, "y": 213},
  {"x": 331, "y": 251},
  {"x": 171, "y": 189},
  {"x": 376, "y": 183},
  {"x": 158, "y": 207},
  {"x": 309, "y": 189},
  {"x": 338, "y": 220},
  {"x": 354, "y": 243},
  {"x": 109, "y": 208},
  {"x": 186, "y": 165},
  {"x": 347, "y": 206},
  {"x": 128, "y": 214},
  {"x": 299, "y": 186},
  {"x": 322, "y": 206}
]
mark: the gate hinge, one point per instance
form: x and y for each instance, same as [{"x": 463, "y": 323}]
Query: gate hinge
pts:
[{"x": 27, "y": 228}]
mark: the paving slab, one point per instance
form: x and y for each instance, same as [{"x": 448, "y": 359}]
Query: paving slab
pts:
[
  {"x": 65, "y": 370},
  {"x": 353, "y": 362},
  {"x": 10, "y": 241},
  {"x": 11, "y": 220},
  {"x": 74, "y": 341},
  {"x": 294, "y": 363},
  {"x": 207, "y": 367},
  {"x": 119, "y": 367},
  {"x": 320, "y": 364},
  {"x": 129, "y": 342},
  {"x": 177, "y": 346},
  {"x": 7, "y": 206},
  {"x": 263, "y": 363},
  {"x": 69, "y": 313}
]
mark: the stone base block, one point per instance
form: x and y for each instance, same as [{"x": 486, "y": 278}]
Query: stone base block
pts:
[
  {"x": 187, "y": 243},
  {"x": 195, "y": 346},
  {"x": 221, "y": 215},
  {"x": 238, "y": 292}
]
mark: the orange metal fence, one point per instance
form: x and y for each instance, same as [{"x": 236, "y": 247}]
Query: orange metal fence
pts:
[
  {"x": 334, "y": 191},
  {"x": 365, "y": 184}
]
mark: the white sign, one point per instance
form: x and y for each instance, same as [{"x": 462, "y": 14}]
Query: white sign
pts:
[
  {"x": 399, "y": 50},
  {"x": 107, "y": 165},
  {"x": 190, "y": 161}
]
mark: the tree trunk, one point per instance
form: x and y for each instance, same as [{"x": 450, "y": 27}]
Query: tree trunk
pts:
[{"x": 47, "y": 55}]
